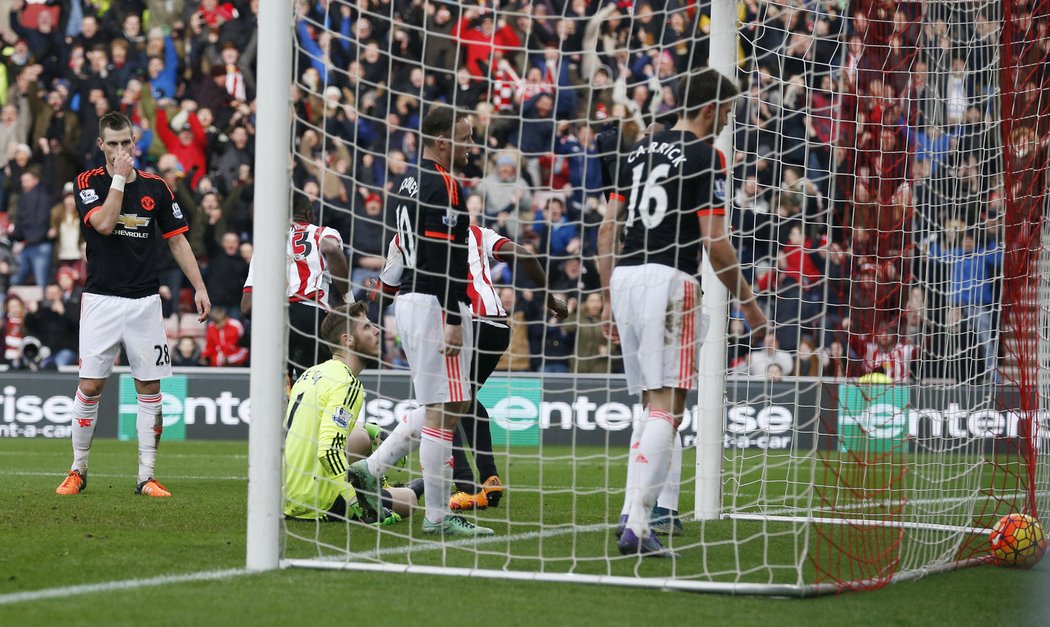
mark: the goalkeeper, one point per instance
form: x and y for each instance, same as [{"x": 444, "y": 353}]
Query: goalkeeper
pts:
[{"x": 323, "y": 433}]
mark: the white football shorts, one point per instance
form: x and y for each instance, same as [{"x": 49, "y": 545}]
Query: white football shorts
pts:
[
  {"x": 106, "y": 322},
  {"x": 436, "y": 377},
  {"x": 661, "y": 326}
]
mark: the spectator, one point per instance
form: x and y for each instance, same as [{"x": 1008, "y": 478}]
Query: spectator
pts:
[
  {"x": 774, "y": 373},
  {"x": 187, "y": 353},
  {"x": 887, "y": 355},
  {"x": 33, "y": 228},
  {"x": 559, "y": 340},
  {"x": 480, "y": 36},
  {"x": 56, "y": 323},
  {"x": 972, "y": 272},
  {"x": 770, "y": 354},
  {"x": 739, "y": 343},
  {"x": 592, "y": 348},
  {"x": 14, "y": 330},
  {"x": 226, "y": 273},
  {"x": 189, "y": 144},
  {"x": 223, "y": 339},
  {"x": 226, "y": 171},
  {"x": 537, "y": 134},
  {"x": 67, "y": 280},
  {"x": 8, "y": 265},
  {"x": 504, "y": 191},
  {"x": 516, "y": 357},
  {"x": 810, "y": 361},
  {"x": 65, "y": 223},
  {"x": 369, "y": 234},
  {"x": 14, "y": 130},
  {"x": 555, "y": 230}
]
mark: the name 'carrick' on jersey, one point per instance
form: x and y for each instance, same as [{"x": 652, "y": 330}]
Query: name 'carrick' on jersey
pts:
[
  {"x": 668, "y": 181},
  {"x": 124, "y": 263},
  {"x": 432, "y": 228}
]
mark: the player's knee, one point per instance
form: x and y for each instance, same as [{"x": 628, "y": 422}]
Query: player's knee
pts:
[
  {"x": 358, "y": 445},
  {"x": 92, "y": 387}
]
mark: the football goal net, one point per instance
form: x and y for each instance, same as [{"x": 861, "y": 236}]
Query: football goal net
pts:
[{"x": 884, "y": 186}]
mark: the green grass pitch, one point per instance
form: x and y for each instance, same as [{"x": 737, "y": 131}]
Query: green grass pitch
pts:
[{"x": 107, "y": 534}]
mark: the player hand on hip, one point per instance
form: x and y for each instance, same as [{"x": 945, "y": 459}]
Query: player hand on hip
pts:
[
  {"x": 203, "y": 304},
  {"x": 756, "y": 319},
  {"x": 123, "y": 164},
  {"x": 557, "y": 307},
  {"x": 453, "y": 339}
]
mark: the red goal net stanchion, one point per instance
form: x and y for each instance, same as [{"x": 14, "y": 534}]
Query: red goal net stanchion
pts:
[{"x": 1025, "y": 97}]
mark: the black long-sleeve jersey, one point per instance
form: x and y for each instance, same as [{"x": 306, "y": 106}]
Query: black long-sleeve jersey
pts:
[{"x": 433, "y": 227}]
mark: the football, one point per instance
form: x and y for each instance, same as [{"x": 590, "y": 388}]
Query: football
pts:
[{"x": 1018, "y": 541}]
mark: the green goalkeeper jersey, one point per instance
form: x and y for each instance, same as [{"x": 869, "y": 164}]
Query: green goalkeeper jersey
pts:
[{"x": 323, "y": 407}]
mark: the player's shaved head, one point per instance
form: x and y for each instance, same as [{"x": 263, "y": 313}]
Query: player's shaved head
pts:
[
  {"x": 114, "y": 121},
  {"x": 301, "y": 208},
  {"x": 704, "y": 87},
  {"x": 438, "y": 122}
]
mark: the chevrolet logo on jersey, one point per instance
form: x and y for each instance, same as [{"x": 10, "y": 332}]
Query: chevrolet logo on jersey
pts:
[{"x": 131, "y": 221}]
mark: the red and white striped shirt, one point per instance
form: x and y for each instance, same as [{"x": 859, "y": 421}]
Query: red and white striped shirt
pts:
[
  {"x": 505, "y": 87},
  {"x": 484, "y": 252},
  {"x": 896, "y": 362},
  {"x": 308, "y": 278}
]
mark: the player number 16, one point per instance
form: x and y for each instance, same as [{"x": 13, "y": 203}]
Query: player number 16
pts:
[{"x": 652, "y": 206}]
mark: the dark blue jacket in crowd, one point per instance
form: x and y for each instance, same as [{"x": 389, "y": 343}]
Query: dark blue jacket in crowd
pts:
[{"x": 34, "y": 215}]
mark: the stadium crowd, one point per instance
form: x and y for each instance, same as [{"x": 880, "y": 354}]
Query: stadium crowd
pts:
[{"x": 867, "y": 211}]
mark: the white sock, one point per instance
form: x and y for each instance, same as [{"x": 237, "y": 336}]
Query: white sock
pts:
[
  {"x": 85, "y": 414},
  {"x": 402, "y": 441},
  {"x": 632, "y": 473},
  {"x": 668, "y": 498},
  {"x": 653, "y": 461},
  {"x": 435, "y": 456},
  {"x": 150, "y": 424}
]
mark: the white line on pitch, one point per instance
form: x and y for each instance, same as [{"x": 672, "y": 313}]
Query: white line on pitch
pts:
[
  {"x": 559, "y": 489},
  {"x": 166, "y": 455},
  {"x": 109, "y": 586},
  {"x": 109, "y": 475},
  {"x": 428, "y": 545}
]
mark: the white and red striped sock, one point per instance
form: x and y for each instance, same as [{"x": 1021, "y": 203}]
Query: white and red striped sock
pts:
[
  {"x": 149, "y": 424},
  {"x": 85, "y": 415},
  {"x": 401, "y": 441},
  {"x": 435, "y": 456},
  {"x": 652, "y": 458}
]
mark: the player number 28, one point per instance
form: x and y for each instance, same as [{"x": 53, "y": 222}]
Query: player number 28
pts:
[
  {"x": 652, "y": 206},
  {"x": 162, "y": 354}
]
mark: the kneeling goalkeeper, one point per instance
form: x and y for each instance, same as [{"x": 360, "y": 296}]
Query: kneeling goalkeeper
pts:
[{"x": 323, "y": 436}]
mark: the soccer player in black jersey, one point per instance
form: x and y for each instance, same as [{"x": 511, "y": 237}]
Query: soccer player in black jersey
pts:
[
  {"x": 670, "y": 198},
  {"x": 432, "y": 224},
  {"x": 124, "y": 212}
]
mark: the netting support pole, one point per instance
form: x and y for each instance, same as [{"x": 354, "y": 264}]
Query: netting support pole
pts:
[
  {"x": 711, "y": 408},
  {"x": 272, "y": 195}
]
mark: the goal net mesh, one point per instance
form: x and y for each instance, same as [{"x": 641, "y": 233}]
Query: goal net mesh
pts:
[{"x": 887, "y": 183}]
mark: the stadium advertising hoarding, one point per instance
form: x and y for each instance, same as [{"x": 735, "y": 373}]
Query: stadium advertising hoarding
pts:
[{"x": 590, "y": 410}]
